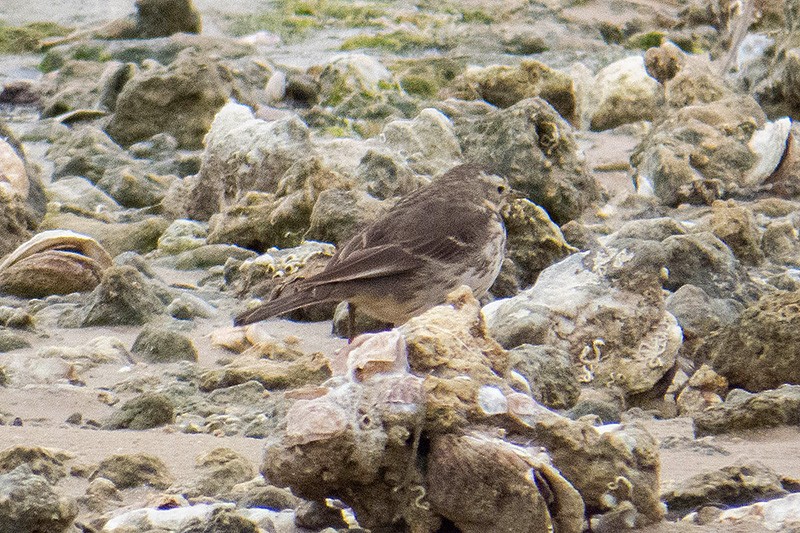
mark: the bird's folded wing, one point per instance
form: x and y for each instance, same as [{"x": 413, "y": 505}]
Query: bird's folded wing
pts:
[{"x": 378, "y": 261}]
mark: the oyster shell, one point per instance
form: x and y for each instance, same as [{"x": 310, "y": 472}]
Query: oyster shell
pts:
[{"x": 54, "y": 262}]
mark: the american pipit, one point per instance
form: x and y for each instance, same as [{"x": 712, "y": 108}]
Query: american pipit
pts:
[{"x": 441, "y": 236}]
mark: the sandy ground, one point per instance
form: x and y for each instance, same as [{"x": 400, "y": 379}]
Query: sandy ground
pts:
[{"x": 44, "y": 408}]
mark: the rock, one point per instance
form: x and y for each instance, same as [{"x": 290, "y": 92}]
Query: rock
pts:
[
  {"x": 309, "y": 369},
  {"x": 10, "y": 341},
  {"x": 220, "y": 469},
  {"x": 533, "y": 243},
  {"x": 162, "y": 345},
  {"x": 188, "y": 307},
  {"x": 180, "y": 99},
  {"x": 700, "y": 318},
  {"x": 260, "y": 495},
  {"x": 534, "y": 148},
  {"x": 606, "y": 310},
  {"x": 428, "y": 142},
  {"x": 29, "y": 503},
  {"x": 775, "y": 515},
  {"x": 78, "y": 194},
  {"x": 135, "y": 470},
  {"x": 222, "y": 520},
  {"x": 20, "y": 92},
  {"x": 21, "y": 194},
  {"x": 276, "y": 269},
  {"x": 363, "y": 428},
  {"x": 703, "y": 152},
  {"x": 182, "y": 235},
  {"x": 54, "y": 262},
  {"x": 209, "y": 255},
  {"x": 160, "y": 18},
  {"x": 731, "y": 486},
  {"x": 702, "y": 260},
  {"x": 760, "y": 350},
  {"x": 116, "y": 237},
  {"x": 318, "y": 515},
  {"x": 263, "y": 220},
  {"x": 735, "y": 225},
  {"x": 549, "y": 372},
  {"x": 45, "y": 462},
  {"x": 504, "y": 86},
  {"x": 98, "y": 351},
  {"x": 200, "y": 518},
  {"x": 88, "y": 152},
  {"x": 663, "y": 62},
  {"x": 74, "y": 85},
  {"x": 339, "y": 214},
  {"x": 146, "y": 411},
  {"x": 249, "y": 392},
  {"x": 620, "y": 93},
  {"x": 352, "y": 73},
  {"x": 101, "y": 495},
  {"x": 123, "y": 297},
  {"x": 742, "y": 411},
  {"x": 650, "y": 229},
  {"x": 245, "y": 154},
  {"x": 135, "y": 189},
  {"x": 509, "y": 499}
]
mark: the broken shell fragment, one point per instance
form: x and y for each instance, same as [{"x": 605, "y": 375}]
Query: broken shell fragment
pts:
[
  {"x": 375, "y": 353},
  {"x": 54, "y": 262}
]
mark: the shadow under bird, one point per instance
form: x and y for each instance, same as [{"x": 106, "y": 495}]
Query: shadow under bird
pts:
[{"x": 443, "y": 235}]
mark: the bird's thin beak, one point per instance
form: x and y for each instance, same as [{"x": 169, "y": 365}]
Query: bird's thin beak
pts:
[{"x": 514, "y": 194}]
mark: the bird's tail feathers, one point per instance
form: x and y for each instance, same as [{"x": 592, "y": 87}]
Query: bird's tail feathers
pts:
[{"x": 278, "y": 306}]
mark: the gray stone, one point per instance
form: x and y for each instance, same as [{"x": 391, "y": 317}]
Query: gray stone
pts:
[
  {"x": 80, "y": 195},
  {"x": 245, "y": 154},
  {"x": 116, "y": 237},
  {"x": 606, "y": 310},
  {"x": 183, "y": 235},
  {"x": 731, "y": 486},
  {"x": 744, "y": 411},
  {"x": 220, "y": 469},
  {"x": 45, "y": 462},
  {"x": 549, "y": 372},
  {"x": 10, "y": 341},
  {"x": 338, "y": 214},
  {"x": 143, "y": 412},
  {"x": 701, "y": 259},
  {"x": 700, "y": 317},
  {"x": 29, "y": 503},
  {"x": 135, "y": 470},
  {"x": 160, "y": 18},
  {"x": 535, "y": 149},
  {"x": 180, "y": 99},
  {"x": 157, "y": 344},
  {"x": 123, "y": 297},
  {"x": 761, "y": 350}
]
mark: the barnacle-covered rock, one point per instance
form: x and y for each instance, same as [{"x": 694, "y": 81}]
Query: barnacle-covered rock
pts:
[
  {"x": 606, "y": 309},
  {"x": 511, "y": 489},
  {"x": 393, "y": 435},
  {"x": 609, "y": 465},
  {"x": 54, "y": 262},
  {"x": 535, "y": 149},
  {"x": 276, "y": 270}
]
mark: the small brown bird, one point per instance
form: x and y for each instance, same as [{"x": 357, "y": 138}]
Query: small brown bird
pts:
[{"x": 441, "y": 236}]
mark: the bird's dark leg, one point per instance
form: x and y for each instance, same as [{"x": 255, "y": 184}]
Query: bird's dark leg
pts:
[{"x": 351, "y": 322}]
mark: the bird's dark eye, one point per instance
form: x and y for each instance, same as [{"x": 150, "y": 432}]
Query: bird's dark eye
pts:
[{"x": 501, "y": 189}]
